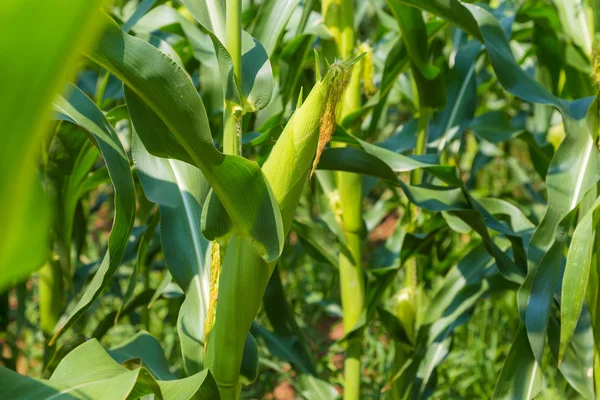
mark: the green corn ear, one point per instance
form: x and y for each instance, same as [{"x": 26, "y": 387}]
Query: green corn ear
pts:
[
  {"x": 405, "y": 303},
  {"x": 298, "y": 149}
]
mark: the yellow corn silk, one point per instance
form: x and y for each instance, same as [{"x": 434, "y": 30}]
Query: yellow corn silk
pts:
[
  {"x": 367, "y": 69},
  {"x": 596, "y": 61}
]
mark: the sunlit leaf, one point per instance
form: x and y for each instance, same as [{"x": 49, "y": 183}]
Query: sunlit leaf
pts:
[{"x": 47, "y": 54}]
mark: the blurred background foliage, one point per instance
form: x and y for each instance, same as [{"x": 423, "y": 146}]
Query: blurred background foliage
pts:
[{"x": 501, "y": 145}]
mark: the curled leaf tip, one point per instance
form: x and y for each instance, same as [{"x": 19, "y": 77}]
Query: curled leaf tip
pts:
[
  {"x": 317, "y": 66},
  {"x": 300, "y": 98}
]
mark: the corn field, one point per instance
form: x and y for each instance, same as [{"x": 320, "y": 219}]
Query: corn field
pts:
[{"x": 299, "y": 199}]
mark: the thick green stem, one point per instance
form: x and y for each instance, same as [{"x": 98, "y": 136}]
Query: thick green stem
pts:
[
  {"x": 232, "y": 135},
  {"x": 223, "y": 348},
  {"x": 339, "y": 17},
  {"x": 353, "y": 300},
  {"x": 411, "y": 277},
  {"x": 234, "y": 38},
  {"x": 353, "y": 368},
  {"x": 244, "y": 274},
  {"x": 51, "y": 294},
  {"x": 422, "y": 138},
  {"x": 352, "y": 285}
]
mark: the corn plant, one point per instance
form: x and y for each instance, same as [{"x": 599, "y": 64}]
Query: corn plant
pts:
[{"x": 299, "y": 199}]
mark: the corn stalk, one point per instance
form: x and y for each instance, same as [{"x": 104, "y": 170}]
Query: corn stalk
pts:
[
  {"x": 339, "y": 17},
  {"x": 232, "y": 138}
]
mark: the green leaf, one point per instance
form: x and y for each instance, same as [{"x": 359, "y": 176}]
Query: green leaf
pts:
[
  {"x": 461, "y": 102},
  {"x": 145, "y": 347},
  {"x": 161, "y": 288},
  {"x": 577, "y": 360},
  {"x": 521, "y": 376},
  {"x": 150, "y": 76},
  {"x": 395, "y": 63},
  {"x": 114, "y": 386},
  {"x": 313, "y": 388},
  {"x": 426, "y": 75},
  {"x": 140, "y": 300},
  {"x": 575, "y": 22},
  {"x": 470, "y": 269},
  {"x": 249, "y": 367},
  {"x": 70, "y": 159},
  {"x": 180, "y": 189},
  {"x": 317, "y": 239},
  {"x": 282, "y": 347},
  {"x": 89, "y": 372},
  {"x": 377, "y": 161},
  {"x": 163, "y": 17},
  {"x": 270, "y": 23},
  {"x": 210, "y": 15},
  {"x": 140, "y": 262},
  {"x": 394, "y": 326},
  {"x": 39, "y": 71},
  {"x": 139, "y": 12},
  {"x": 67, "y": 346},
  {"x": 288, "y": 341},
  {"x": 200, "y": 386},
  {"x": 482, "y": 25},
  {"x": 573, "y": 171},
  {"x": 575, "y": 278},
  {"x": 414, "y": 34},
  {"x": 452, "y": 10},
  {"x": 86, "y": 372},
  {"x": 81, "y": 110},
  {"x": 496, "y": 126},
  {"x": 257, "y": 76}
]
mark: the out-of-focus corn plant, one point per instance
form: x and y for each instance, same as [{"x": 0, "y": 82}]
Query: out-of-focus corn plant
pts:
[{"x": 373, "y": 174}]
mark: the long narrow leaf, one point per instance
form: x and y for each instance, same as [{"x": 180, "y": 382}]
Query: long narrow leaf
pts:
[
  {"x": 81, "y": 110},
  {"x": 41, "y": 43},
  {"x": 180, "y": 190},
  {"x": 575, "y": 277}
]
